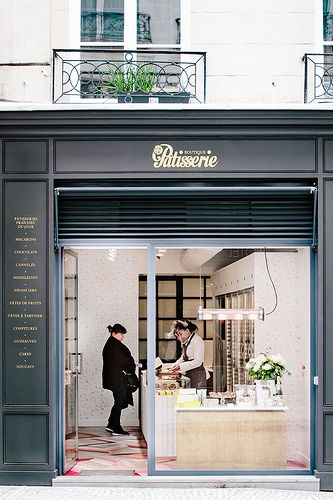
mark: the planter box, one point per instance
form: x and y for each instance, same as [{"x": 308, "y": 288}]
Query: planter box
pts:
[
  {"x": 136, "y": 97},
  {"x": 164, "y": 97},
  {"x": 161, "y": 97}
]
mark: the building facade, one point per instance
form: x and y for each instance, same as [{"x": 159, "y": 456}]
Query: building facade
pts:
[{"x": 255, "y": 52}]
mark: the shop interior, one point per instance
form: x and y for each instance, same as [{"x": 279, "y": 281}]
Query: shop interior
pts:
[{"x": 229, "y": 426}]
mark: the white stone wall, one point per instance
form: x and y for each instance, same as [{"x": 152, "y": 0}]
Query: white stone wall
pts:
[
  {"x": 254, "y": 48},
  {"x": 29, "y": 30},
  {"x": 25, "y": 37}
]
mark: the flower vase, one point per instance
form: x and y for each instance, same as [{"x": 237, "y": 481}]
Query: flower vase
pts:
[
  {"x": 265, "y": 390},
  {"x": 279, "y": 397}
]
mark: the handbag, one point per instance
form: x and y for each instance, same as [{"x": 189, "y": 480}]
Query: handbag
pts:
[{"x": 132, "y": 381}]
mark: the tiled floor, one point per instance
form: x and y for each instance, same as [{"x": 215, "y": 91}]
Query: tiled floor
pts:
[{"x": 101, "y": 453}]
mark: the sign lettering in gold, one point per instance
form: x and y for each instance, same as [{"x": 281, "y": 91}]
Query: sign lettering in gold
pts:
[
  {"x": 23, "y": 277},
  {"x": 25, "y": 302},
  {"x": 25, "y": 239},
  {"x": 25, "y": 264},
  {"x": 164, "y": 156},
  {"x": 25, "y": 341},
  {"x": 25, "y": 328},
  {"x": 25, "y": 292},
  {"x": 25, "y": 252}
]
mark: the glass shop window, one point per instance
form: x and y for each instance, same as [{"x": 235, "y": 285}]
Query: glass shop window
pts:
[{"x": 246, "y": 404}]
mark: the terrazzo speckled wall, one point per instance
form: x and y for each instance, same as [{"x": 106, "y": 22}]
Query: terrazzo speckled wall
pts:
[
  {"x": 108, "y": 294},
  {"x": 287, "y": 331}
]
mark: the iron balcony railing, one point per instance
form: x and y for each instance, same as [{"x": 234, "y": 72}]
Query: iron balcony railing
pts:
[
  {"x": 128, "y": 76},
  {"x": 318, "y": 78}
]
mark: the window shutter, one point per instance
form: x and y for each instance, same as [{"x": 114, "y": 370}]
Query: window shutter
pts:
[{"x": 236, "y": 213}]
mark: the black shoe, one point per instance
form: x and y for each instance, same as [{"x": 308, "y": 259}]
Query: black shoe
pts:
[
  {"x": 120, "y": 432},
  {"x": 108, "y": 429}
]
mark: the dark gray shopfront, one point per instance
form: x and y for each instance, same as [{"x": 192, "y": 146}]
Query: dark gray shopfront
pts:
[{"x": 61, "y": 169}]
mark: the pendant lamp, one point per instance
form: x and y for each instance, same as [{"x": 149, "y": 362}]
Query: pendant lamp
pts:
[{"x": 233, "y": 314}]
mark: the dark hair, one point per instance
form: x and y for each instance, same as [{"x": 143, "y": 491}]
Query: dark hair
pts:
[
  {"x": 183, "y": 324},
  {"x": 116, "y": 328}
]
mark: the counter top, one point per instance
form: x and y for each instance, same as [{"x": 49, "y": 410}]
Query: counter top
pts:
[{"x": 236, "y": 408}]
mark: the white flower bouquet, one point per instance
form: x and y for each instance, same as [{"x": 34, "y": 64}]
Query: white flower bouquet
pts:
[{"x": 266, "y": 366}]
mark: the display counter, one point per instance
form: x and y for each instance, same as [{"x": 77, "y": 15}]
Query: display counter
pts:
[
  {"x": 165, "y": 421},
  {"x": 234, "y": 437},
  {"x": 220, "y": 437}
]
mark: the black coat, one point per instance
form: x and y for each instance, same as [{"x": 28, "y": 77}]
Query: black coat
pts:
[{"x": 116, "y": 358}]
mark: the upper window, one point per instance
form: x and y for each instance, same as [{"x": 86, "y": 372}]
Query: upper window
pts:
[
  {"x": 161, "y": 18},
  {"x": 328, "y": 20},
  {"x": 102, "y": 20},
  {"x": 157, "y": 22}
]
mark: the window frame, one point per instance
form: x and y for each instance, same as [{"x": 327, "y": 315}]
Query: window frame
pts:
[
  {"x": 130, "y": 33},
  {"x": 320, "y": 15},
  {"x": 179, "y": 297}
]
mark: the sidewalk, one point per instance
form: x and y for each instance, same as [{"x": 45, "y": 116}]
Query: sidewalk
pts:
[{"x": 88, "y": 493}]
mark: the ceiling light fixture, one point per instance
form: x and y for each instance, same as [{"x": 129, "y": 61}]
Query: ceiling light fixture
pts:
[
  {"x": 231, "y": 314},
  {"x": 160, "y": 253},
  {"x": 238, "y": 314}
]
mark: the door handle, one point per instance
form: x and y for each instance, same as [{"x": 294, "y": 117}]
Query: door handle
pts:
[
  {"x": 76, "y": 363},
  {"x": 73, "y": 363},
  {"x": 79, "y": 363}
]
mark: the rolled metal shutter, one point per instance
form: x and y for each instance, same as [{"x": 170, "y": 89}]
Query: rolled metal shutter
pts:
[{"x": 201, "y": 212}]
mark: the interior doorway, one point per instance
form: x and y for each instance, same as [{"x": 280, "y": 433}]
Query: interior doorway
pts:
[
  {"x": 100, "y": 288},
  {"x": 107, "y": 285},
  {"x": 71, "y": 357}
]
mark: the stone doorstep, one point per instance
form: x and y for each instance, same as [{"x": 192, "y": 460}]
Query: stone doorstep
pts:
[{"x": 304, "y": 483}]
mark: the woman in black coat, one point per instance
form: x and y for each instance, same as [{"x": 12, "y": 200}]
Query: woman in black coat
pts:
[{"x": 116, "y": 359}]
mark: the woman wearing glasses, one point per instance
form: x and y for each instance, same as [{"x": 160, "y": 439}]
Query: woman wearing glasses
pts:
[{"x": 190, "y": 362}]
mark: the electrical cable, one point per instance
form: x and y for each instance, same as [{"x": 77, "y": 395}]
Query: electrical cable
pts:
[{"x": 274, "y": 288}]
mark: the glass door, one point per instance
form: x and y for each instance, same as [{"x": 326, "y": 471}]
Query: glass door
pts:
[{"x": 71, "y": 357}]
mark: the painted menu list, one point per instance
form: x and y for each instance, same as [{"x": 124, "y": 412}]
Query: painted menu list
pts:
[{"x": 25, "y": 296}]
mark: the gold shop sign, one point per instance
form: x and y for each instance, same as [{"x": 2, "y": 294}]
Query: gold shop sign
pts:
[{"x": 164, "y": 156}]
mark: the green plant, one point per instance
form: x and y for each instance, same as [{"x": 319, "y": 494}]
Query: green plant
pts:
[
  {"x": 131, "y": 79},
  {"x": 266, "y": 366}
]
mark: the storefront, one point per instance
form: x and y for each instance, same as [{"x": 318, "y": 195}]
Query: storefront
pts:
[{"x": 141, "y": 217}]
